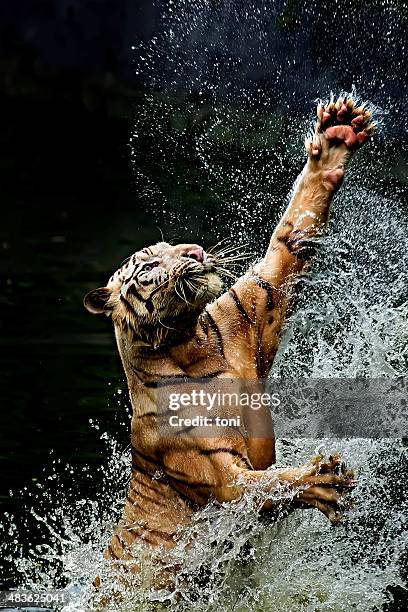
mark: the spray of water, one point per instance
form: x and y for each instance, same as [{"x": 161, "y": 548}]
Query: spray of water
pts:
[{"x": 212, "y": 128}]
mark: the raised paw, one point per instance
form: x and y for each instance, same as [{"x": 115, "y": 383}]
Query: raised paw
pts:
[
  {"x": 342, "y": 121},
  {"x": 341, "y": 128}
]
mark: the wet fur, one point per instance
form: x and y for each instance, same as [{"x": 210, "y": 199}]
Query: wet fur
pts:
[{"x": 178, "y": 324}]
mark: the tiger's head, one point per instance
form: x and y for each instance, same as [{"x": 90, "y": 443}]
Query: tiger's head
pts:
[{"x": 159, "y": 291}]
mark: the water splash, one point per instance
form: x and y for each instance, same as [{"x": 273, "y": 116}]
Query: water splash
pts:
[
  {"x": 350, "y": 321},
  {"x": 299, "y": 563},
  {"x": 213, "y": 129}
]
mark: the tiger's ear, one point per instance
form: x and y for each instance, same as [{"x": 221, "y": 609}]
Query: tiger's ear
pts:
[{"x": 96, "y": 301}]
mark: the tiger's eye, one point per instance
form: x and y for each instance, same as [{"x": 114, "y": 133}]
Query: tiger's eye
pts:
[{"x": 150, "y": 265}]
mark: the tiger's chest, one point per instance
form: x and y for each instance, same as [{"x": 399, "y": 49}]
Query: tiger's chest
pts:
[{"x": 227, "y": 380}]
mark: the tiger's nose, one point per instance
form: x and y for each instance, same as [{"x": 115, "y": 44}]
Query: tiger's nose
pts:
[{"x": 197, "y": 254}]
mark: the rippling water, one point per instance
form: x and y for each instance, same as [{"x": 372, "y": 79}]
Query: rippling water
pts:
[{"x": 350, "y": 321}]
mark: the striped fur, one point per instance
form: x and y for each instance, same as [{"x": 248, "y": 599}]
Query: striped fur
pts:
[{"x": 172, "y": 324}]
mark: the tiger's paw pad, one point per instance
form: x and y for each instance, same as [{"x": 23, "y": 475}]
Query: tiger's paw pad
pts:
[
  {"x": 341, "y": 128},
  {"x": 342, "y": 121}
]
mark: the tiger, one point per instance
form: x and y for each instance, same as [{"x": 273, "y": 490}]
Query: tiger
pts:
[{"x": 174, "y": 321}]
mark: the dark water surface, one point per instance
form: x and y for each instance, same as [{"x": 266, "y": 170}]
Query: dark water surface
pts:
[
  {"x": 64, "y": 178},
  {"x": 71, "y": 212}
]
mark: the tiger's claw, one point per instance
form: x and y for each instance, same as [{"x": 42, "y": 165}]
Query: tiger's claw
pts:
[
  {"x": 343, "y": 121},
  {"x": 341, "y": 128},
  {"x": 326, "y": 486}
]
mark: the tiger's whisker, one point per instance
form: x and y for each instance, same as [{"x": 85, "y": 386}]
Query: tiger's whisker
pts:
[
  {"x": 184, "y": 294},
  {"x": 165, "y": 326},
  {"x": 233, "y": 248},
  {"x": 224, "y": 272},
  {"x": 161, "y": 233},
  {"x": 211, "y": 249},
  {"x": 236, "y": 257},
  {"x": 180, "y": 296}
]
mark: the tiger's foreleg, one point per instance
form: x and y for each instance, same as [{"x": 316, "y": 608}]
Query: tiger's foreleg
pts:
[
  {"x": 258, "y": 303},
  {"x": 318, "y": 484},
  {"x": 341, "y": 128}
]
